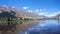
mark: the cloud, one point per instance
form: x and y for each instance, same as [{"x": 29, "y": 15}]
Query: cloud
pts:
[
  {"x": 5, "y": 6},
  {"x": 44, "y": 9},
  {"x": 13, "y": 7},
  {"x": 36, "y": 10},
  {"x": 40, "y": 9},
  {"x": 41, "y": 13},
  {"x": 29, "y": 10},
  {"x": 25, "y": 7},
  {"x": 48, "y": 15},
  {"x": 51, "y": 15},
  {"x": 58, "y": 11}
]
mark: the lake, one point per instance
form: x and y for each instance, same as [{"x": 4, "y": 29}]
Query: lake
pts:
[{"x": 44, "y": 27}]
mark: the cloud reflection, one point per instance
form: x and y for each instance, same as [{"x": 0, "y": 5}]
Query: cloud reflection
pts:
[
  {"x": 26, "y": 32},
  {"x": 30, "y": 28},
  {"x": 42, "y": 24}
]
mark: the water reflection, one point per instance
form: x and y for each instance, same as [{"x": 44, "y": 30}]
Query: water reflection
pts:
[
  {"x": 21, "y": 27},
  {"x": 45, "y": 27},
  {"x": 9, "y": 27}
]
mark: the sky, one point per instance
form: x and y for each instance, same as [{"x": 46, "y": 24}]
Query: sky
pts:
[{"x": 40, "y": 7}]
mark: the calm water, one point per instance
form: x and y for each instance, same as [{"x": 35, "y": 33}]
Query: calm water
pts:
[{"x": 44, "y": 27}]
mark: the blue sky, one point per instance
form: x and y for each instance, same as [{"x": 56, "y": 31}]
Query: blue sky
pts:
[{"x": 40, "y": 7}]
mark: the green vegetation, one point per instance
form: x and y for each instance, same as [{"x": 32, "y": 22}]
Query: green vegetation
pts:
[{"x": 9, "y": 21}]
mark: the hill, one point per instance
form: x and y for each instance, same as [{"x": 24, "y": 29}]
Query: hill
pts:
[{"x": 12, "y": 12}]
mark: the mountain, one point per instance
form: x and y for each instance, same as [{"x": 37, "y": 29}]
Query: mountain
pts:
[
  {"x": 58, "y": 15},
  {"x": 12, "y": 12}
]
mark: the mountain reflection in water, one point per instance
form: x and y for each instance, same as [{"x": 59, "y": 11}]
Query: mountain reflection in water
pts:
[
  {"x": 9, "y": 27},
  {"x": 13, "y": 27},
  {"x": 45, "y": 27}
]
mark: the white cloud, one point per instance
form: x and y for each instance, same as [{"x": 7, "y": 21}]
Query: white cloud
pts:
[
  {"x": 25, "y": 7},
  {"x": 59, "y": 12},
  {"x": 51, "y": 15},
  {"x": 13, "y": 7},
  {"x": 36, "y": 10},
  {"x": 29, "y": 10},
  {"x": 40, "y": 9},
  {"x": 41, "y": 13},
  {"x": 5, "y": 6},
  {"x": 44, "y": 9},
  {"x": 48, "y": 15}
]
